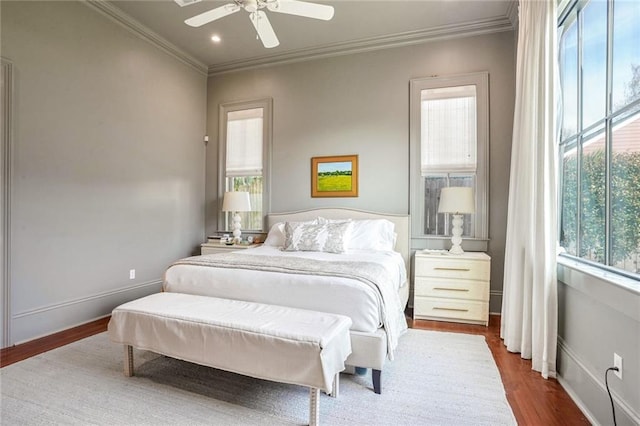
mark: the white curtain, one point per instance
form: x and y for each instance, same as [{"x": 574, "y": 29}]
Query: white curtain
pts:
[{"x": 529, "y": 306}]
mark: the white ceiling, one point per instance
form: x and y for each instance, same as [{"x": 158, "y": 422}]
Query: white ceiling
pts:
[{"x": 356, "y": 26}]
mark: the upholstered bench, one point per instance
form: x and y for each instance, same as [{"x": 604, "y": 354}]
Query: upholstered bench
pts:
[{"x": 269, "y": 342}]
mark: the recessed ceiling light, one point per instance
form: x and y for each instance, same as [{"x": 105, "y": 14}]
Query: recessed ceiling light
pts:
[{"x": 216, "y": 39}]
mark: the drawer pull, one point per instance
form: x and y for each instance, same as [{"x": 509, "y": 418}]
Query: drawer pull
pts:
[
  {"x": 438, "y": 268},
  {"x": 450, "y": 309},
  {"x": 451, "y": 289}
]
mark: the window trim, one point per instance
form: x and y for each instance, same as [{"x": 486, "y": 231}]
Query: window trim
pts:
[
  {"x": 572, "y": 12},
  {"x": 481, "y": 218},
  {"x": 267, "y": 136}
]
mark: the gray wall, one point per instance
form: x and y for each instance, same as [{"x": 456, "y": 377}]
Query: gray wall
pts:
[
  {"x": 359, "y": 104},
  {"x": 596, "y": 319},
  {"x": 108, "y": 172},
  {"x": 108, "y": 169}
]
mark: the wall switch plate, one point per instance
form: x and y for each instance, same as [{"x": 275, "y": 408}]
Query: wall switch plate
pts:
[
  {"x": 132, "y": 274},
  {"x": 617, "y": 362}
]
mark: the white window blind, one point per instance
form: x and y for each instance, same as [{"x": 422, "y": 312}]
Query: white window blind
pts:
[
  {"x": 244, "y": 142},
  {"x": 448, "y": 130}
]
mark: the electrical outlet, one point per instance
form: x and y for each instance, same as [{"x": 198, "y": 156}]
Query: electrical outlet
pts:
[
  {"x": 132, "y": 274},
  {"x": 617, "y": 362}
]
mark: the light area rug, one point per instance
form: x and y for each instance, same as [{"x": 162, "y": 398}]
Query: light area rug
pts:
[{"x": 437, "y": 378}]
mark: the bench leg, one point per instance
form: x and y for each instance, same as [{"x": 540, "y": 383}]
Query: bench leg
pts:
[
  {"x": 128, "y": 360},
  {"x": 336, "y": 386},
  {"x": 377, "y": 386},
  {"x": 314, "y": 407}
]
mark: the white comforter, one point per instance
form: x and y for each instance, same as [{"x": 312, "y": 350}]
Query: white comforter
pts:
[{"x": 321, "y": 293}]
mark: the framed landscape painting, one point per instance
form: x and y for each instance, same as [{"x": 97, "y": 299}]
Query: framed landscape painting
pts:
[{"x": 334, "y": 176}]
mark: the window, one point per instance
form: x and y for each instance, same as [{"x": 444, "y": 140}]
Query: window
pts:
[
  {"x": 599, "y": 64},
  {"x": 449, "y": 147},
  {"x": 245, "y": 134}
]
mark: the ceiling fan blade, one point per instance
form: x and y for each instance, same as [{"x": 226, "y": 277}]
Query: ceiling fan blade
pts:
[
  {"x": 264, "y": 29},
  {"x": 302, "y": 8},
  {"x": 212, "y": 15},
  {"x": 183, "y": 3}
]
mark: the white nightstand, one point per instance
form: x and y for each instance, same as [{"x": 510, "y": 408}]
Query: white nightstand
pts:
[
  {"x": 452, "y": 287},
  {"x": 213, "y": 248}
]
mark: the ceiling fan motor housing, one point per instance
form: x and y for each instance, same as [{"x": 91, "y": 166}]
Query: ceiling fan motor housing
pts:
[{"x": 251, "y": 5}]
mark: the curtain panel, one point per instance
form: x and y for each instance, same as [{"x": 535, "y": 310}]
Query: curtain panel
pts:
[{"x": 529, "y": 307}]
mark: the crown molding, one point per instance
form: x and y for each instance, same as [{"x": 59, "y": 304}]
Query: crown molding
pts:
[
  {"x": 512, "y": 12},
  {"x": 409, "y": 38},
  {"x": 472, "y": 28},
  {"x": 118, "y": 16}
]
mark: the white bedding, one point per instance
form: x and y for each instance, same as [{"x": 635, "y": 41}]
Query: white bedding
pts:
[{"x": 321, "y": 293}]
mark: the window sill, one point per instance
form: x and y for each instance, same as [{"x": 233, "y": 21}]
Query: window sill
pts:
[
  {"x": 608, "y": 276},
  {"x": 618, "y": 292}
]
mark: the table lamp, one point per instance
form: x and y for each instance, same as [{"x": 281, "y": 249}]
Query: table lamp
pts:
[
  {"x": 457, "y": 201},
  {"x": 236, "y": 201}
]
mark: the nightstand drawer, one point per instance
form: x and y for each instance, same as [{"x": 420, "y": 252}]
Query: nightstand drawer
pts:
[
  {"x": 453, "y": 289},
  {"x": 433, "y": 308},
  {"x": 448, "y": 267},
  {"x": 213, "y": 250}
]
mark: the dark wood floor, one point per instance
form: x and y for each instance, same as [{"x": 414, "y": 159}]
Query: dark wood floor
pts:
[
  {"x": 23, "y": 351},
  {"x": 534, "y": 400}
]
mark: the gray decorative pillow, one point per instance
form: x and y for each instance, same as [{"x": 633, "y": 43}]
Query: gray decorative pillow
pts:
[
  {"x": 337, "y": 237},
  {"x": 326, "y": 237},
  {"x": 303, "y": 237}
]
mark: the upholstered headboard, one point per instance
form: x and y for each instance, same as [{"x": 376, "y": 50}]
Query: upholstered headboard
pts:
[{"x": 400, "y": 221}]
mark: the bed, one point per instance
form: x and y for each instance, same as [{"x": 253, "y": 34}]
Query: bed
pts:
[{"x": 367, "y": 281}]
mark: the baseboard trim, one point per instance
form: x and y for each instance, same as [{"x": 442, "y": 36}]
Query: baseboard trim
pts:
[
  {"x": 576, "y": 399},
  {"x": 85, "y": 299},
  {"x": 11, "y": 355},
  {"x": 495, "y": 300},
  {"x": 619, "y": 402},
  {"x": 34, "y": 323}
]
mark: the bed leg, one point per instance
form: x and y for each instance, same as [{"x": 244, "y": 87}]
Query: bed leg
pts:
[
  {"x": 314, "y": 406},
  {"x": 128, "y": 360},
  {"x": 377, "y": 386}
]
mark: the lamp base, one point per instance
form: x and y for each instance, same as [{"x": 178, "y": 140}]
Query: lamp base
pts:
[
  {"x": 237, "y": 233},
  {"x": 456, "y": 250},
  {"x": 456, "y": 234}
]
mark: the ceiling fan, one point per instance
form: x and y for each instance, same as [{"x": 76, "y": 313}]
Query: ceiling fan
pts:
[{"x": 258, "y": 17}]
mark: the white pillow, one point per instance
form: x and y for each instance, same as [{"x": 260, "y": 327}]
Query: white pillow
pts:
[
  {"x": 275, "y": 237},
  {"x": 372, "y": 234},
  {"x": 326, "y": 237}
]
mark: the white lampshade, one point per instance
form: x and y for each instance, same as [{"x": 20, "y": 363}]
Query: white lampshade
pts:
[
  {"x": 456, "y": 200},
  {"x": 236, "y": 201}
]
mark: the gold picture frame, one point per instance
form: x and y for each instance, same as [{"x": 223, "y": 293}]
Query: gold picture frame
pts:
[{"x": 335, "y": 176}]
